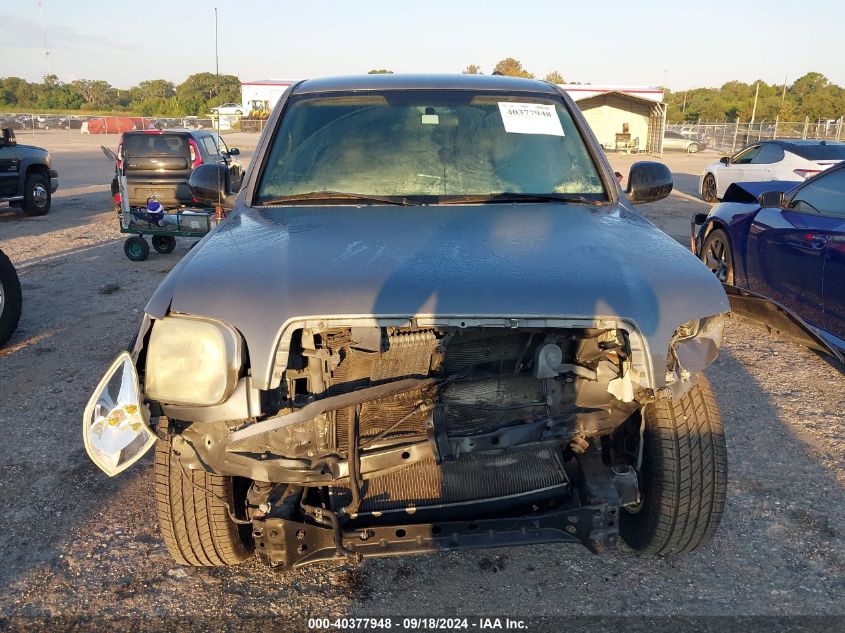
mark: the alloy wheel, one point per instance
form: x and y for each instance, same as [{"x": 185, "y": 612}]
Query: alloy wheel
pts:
[
  {"x": 716, "y": 258},
  {"x": 709, "y": 188}
]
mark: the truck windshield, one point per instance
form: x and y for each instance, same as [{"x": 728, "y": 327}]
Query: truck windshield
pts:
[{"x": 428, "y": 146}]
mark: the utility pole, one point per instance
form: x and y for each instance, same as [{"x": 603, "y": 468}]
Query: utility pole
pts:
[
  {"x": 216, "y": 58},
  {"x": 44, "y": 35},
  {"x": 754, "y": 109},
  {"x": 783, "y": 94},
  {"x": 216, "y": 68}
]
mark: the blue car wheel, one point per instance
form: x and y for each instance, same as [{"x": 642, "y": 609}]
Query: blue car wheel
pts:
[{"x": 718, "y": 257}]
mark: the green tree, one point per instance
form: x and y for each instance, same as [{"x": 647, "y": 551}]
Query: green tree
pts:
[
  {"x": 472, "y": 69},
  {"x": 202, "y": 91},
  {"x": 153, "y": 89},
  {"x": 809, "y": 84},
  {"x": 97, "y": 94},
  {"x": 17, "y": 92},
  {"x": 380, "y": 71},
  {"x": 512, "y": 68},
  {"x": 815, "y": 97},
  {"x": 555, "y": 77}
]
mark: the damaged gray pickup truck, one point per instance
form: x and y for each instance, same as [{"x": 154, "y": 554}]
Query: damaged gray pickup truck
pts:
[{"x": 431, "y": 321}]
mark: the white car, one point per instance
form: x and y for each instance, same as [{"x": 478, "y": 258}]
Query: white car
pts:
[
  {"x": 229, "y": 108},
  {"x": 770, "y": 160}
]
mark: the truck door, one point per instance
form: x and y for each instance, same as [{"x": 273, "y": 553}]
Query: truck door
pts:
[{"x": 10, "y": 169}]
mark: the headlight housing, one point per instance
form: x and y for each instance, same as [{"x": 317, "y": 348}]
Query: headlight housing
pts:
[
  {"x": 114, "y": 425},
  {"x": 192, "y": 361}
]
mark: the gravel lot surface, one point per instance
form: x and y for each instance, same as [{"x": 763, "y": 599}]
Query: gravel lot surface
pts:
[{"x": 75, "y": 543}]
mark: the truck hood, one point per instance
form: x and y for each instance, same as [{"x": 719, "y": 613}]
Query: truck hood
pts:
[
  {"x": 31, "y": 149},
  {"x": 262, "y": 267}
]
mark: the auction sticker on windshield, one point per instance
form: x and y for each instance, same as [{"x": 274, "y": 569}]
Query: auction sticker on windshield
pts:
[{"x": 530, "y": 118}]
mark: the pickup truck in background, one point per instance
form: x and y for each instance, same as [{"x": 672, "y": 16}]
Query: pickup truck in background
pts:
[{"x": 27, "y": 177}]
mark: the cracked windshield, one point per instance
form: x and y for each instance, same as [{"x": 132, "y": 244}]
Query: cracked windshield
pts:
[{"x": 421, "y": 143}]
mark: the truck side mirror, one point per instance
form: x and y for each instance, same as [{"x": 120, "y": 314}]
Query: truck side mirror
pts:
[
  {"x": 210, "y": 184},
  {"x": 648, "y": 181}
]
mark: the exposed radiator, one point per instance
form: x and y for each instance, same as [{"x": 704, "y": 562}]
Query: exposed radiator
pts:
[
  {"x": 481, "y": 476},
  {"x": 473, "y": 347},
  {"x": 407, "y": 354},
  {"x": 479, "y": 406}
]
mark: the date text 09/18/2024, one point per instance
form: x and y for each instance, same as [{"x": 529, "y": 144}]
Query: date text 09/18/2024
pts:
[{"x": 418, "y": 624}]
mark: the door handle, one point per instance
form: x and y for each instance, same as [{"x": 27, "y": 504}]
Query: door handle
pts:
[{"x": 818, "y": 242}]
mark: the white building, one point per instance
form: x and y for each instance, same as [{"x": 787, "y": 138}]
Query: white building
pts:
[
  {"x": 623, "y": 118},
  {"x": 264, "y": 91}
]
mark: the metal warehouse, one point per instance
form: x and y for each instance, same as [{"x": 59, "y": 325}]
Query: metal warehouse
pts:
[{"x": 623, "y": 118}]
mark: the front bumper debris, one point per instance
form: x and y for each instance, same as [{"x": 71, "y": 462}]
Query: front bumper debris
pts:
[{"x": 283, "y": 543}]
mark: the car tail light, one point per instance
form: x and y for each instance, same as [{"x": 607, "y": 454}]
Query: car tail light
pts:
[
  {"x": 806, "y": 173},
  {"x": 194, "y": 199},
  {"x": 117, "y": 198},
  {"x": 196, "y": 157}
]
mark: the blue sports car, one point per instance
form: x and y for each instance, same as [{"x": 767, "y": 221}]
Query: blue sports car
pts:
[{"x": 779, "y": 248}]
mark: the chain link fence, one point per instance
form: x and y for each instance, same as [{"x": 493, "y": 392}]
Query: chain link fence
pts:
[
  {"x": 725, "y": 136},
  {"x": 728, "y": 137},
  {"x": 34, "y": 123}
]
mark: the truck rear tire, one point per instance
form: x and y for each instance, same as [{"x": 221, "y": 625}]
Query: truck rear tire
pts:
[
  {"x": 683, "y": 475},
  {"x": 36, "y": 195},
  {"x": 194, "y": 522}
]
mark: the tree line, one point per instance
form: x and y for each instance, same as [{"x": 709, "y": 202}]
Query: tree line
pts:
[
  {"x": 812, "y": 96},
  {"x": 195, "y": 96}
]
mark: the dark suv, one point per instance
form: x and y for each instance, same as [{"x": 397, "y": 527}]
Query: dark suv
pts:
[{"x": 158, "y": 163}]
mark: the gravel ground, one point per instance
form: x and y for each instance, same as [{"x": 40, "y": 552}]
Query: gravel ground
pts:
[{"x": 77, "y": 544}]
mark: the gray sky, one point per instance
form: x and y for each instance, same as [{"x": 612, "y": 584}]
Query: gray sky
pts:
[{"x": 677, "y": 43}]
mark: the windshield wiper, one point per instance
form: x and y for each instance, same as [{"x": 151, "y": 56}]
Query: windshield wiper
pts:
[
  {"x": 317, "y": 196},
  {"x": 522, "y": 197}
]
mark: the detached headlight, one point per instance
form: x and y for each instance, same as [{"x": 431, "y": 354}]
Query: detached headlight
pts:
[
  {"x": 114, "y": 426},
  {"x": 192, "y": 361}
]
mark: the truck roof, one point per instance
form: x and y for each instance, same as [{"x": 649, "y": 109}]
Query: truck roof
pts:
[{"x": 423, "y": 82}]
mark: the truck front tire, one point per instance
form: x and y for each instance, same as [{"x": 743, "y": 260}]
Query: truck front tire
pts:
[
  {"x": 194, "y": 521},
  {"x": 683, "y": 475},
  {"x": 36, "y": 195}
]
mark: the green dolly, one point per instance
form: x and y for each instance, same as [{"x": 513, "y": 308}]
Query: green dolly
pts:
[{"x": 163, "y": 228}]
